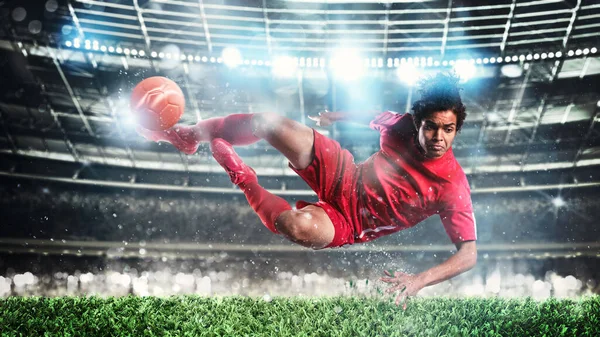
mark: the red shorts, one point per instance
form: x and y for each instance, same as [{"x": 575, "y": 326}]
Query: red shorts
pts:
[{"x": 331, "y": 175}]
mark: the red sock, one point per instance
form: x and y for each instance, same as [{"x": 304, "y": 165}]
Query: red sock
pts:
[
  {"x": 236, "y": 129},
  {"x": 267, "y": 205}
]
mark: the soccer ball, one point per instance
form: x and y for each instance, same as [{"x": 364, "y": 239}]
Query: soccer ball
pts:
[{"x": 157, "y": 103}]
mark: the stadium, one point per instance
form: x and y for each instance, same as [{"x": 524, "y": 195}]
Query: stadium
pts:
[{"x": 103, "y": 232}]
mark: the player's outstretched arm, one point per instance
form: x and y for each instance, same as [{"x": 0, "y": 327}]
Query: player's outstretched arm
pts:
[
  {"x": 326, "y": 118},
  {"x": 411, "y": 284}
]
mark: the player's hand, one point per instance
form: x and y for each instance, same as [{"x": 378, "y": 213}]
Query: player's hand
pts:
[
  {"x": 408, "y": 285},
  {"x": 323, "y": 119}
]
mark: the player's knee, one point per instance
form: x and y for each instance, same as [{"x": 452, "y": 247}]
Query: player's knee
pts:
[
  {"x": 265, "y": 124},
  {"x": 298, "y": 226}
]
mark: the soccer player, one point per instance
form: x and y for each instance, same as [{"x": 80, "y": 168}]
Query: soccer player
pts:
[{"x": 412, "y": 177}]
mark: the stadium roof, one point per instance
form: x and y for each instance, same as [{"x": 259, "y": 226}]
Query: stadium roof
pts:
[{"x": 533, "y": 105}]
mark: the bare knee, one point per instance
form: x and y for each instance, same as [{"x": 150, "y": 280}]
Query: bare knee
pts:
[
  {"x": 266, "y": 123},
  {"x": 306, "y": 227}
]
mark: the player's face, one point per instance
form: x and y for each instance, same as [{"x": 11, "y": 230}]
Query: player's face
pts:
[{"x": 437, "y": 133}]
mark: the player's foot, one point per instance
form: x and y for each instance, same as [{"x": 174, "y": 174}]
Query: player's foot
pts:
[
  {"x": 225, "y": 155},
  {"x": 181, "y": 136}
]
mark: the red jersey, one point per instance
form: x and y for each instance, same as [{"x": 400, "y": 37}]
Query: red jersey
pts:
[{"x": 398, "y": 187}]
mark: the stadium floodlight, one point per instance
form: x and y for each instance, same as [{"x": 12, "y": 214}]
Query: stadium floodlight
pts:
[
  {"x": 586, "y": 51},
  {"x": 142, "y": 53},
  {"x": 347, "y": 64},
  {"x": 232, "y": 57},
  {"x": 408, "y": 73},
  {"x": 68, "y": 43},
  {"x": 558, "y": 202},
  {"x": 284, "y": 66},
  {"x": 511, "y": 70},
  {"x": 570, "y": 53},
  {"x": 578, "y": 52},
  {"x": 111, "y": 49},
  {"x": 465, "y": 70},
  {"x": 594, "y": 50}
]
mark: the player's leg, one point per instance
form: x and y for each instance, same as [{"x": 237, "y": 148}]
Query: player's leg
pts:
[
  {"x": 294, "y": 140},
  {"x": 237, "y": 129},
  {"x": 309, "y": 226}
]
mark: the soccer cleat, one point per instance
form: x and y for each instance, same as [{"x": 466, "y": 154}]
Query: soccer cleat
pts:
[{"x": 225, "y": 155}]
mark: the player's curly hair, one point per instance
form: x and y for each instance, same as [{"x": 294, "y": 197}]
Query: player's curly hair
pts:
[{"x": 439, "y": 93}]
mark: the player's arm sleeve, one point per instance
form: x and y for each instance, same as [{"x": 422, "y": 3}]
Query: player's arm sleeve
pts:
[
  {"x": 459, "y": 225},
  {"x": 457, "y": 215},
  {"x": 385, "y": 121}
]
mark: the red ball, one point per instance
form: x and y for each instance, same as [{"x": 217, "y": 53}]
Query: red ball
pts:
[{"x": 157, "y": 103}]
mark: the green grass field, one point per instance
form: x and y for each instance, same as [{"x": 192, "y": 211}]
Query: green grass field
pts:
[{"x": 338, "y": 316}]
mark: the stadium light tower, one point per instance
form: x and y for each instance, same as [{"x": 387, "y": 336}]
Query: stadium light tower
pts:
[{"x": 232, "y": 57}]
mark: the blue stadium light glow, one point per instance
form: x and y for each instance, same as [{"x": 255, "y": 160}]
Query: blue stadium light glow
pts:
[
  {"x": 558, "y": 202},
  {"x": 111, "y": 49},
  {"x": 103, "y": 48},
  {"x": 511, "y": 70},
  {"x": 119, "y": 50},
  {"x": 465, "y": 69},
  {"x": 347, "y": 65},
  {"x": 232, "y": 57},
  {"x": 408, "y": 73},
  {"x": 284, "y": 66}
]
